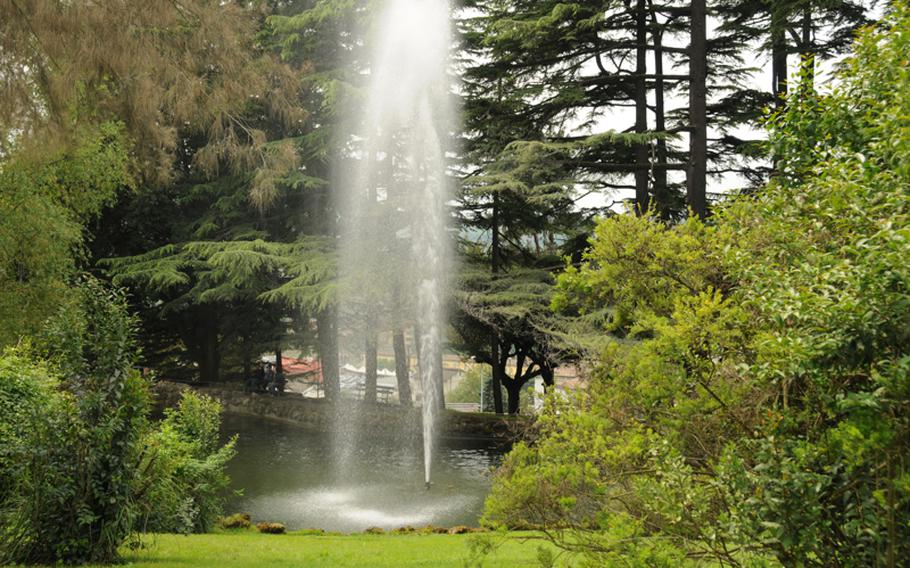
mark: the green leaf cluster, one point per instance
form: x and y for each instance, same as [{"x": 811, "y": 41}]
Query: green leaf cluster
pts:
[{"x": 295, "y": 274}]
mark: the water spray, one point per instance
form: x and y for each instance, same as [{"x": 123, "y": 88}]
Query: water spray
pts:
[{"x": 394, "y": 209}]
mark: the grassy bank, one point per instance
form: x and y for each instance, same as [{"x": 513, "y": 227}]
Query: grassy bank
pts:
[{"x": 250, "y": 549}]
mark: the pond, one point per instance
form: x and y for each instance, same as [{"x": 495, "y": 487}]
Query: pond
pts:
[{"x": 289, "y": 475}]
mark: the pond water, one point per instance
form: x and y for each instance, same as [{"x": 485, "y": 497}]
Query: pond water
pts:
[{"x": 288, "y": 475}]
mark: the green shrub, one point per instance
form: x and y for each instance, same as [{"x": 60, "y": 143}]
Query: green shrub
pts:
[
  {"x": 183, "y": 483},
  {"x": 27, "y": 389},
  {"x": 45, "y": 205},
  {"x": 92, "y": 338},
  {"x": 468, "y": 390},
  {"x": 80, "y": 467},
  {"x": 72, "y": 500},
  {"x": 314, "y": 532},
  {"x": 407, "y": 529}
]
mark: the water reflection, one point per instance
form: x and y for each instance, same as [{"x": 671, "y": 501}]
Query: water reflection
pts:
[{"x": 287, "y": 475}]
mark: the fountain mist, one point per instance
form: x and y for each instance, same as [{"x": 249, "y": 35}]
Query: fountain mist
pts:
[{"x": 394, "y": 248}]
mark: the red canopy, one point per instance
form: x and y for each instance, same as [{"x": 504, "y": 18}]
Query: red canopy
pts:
[{"x": 308, "y": 369}]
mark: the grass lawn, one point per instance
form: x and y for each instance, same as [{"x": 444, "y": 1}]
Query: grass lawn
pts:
[{"x": 251, "y": 549}]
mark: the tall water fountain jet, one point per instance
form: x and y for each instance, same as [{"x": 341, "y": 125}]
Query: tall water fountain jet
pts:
[{"x": 394, "y": 246}]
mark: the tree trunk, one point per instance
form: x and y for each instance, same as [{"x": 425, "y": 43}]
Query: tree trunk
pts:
[
  {"x": 698, "y": 137},
  {"x": 279, "y": 365},
  {"x": 402, "y": 365},
  {"x": 440, "y": 381},
  {"x": 209, "y": 348},
  {"x": 402, "y": 368},
  {"x": 513, "y": 387},
  {"x": 211, "y": 359},
  {"x": 328, "y": 353},
  {"x": 778, "y": 56},
  {"x": 662, "y": 200},
  {"x": 371, "y": 356},
  {"x": 807, "y": 49},
  {"x": 642, "y": 199},
  {"x": 498, "y": 373},
  {"x": 494, "y": 335},
  {"x": 546, "y": 371},
  {"x": 247, "y": 360}
]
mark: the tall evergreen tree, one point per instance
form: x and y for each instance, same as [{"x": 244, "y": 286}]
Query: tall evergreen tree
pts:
[
  {"x": 323, "y": 36},
  {"x": 154, "y": 67},
  {"x": 569, "y": 68}
]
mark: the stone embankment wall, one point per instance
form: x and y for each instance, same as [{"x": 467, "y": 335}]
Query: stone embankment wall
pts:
[{"x": 319, "y": 415}]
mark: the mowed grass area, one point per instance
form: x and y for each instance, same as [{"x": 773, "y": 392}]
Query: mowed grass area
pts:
[{"x": 251, "y": 549}]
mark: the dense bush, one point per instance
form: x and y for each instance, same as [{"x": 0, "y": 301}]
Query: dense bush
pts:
[
  {"x": 753, "y": 405},
  {"x": 72, "y": 497},
  {"x": 27, "y": 391},
  {"x": 80, "y": 465},
  {"x": 183, "y": 482}
]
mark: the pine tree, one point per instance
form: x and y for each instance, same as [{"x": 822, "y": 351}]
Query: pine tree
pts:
[{"x": 566, "y": 68}]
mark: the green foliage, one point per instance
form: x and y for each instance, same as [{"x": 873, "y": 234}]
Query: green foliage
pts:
[
  {"x": 516, "y": 305},
  {"x": 468, "y": 390},
  {"x": 72, "y": 498},
  {"x": 750, "y": 404},
  {"x": 296, "y": 274},
  {"x": 92, "y": 336},
  {"x": 237, "y": 292},
  {"x": 27, "y": 390},
  {"x": 43, "y": 205},
  {"x": 183, "y": 483},
  {"x": 824, "y": 256},
  {"x": 80, "y": 467},
  {"x": 634, "y": 271}
]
